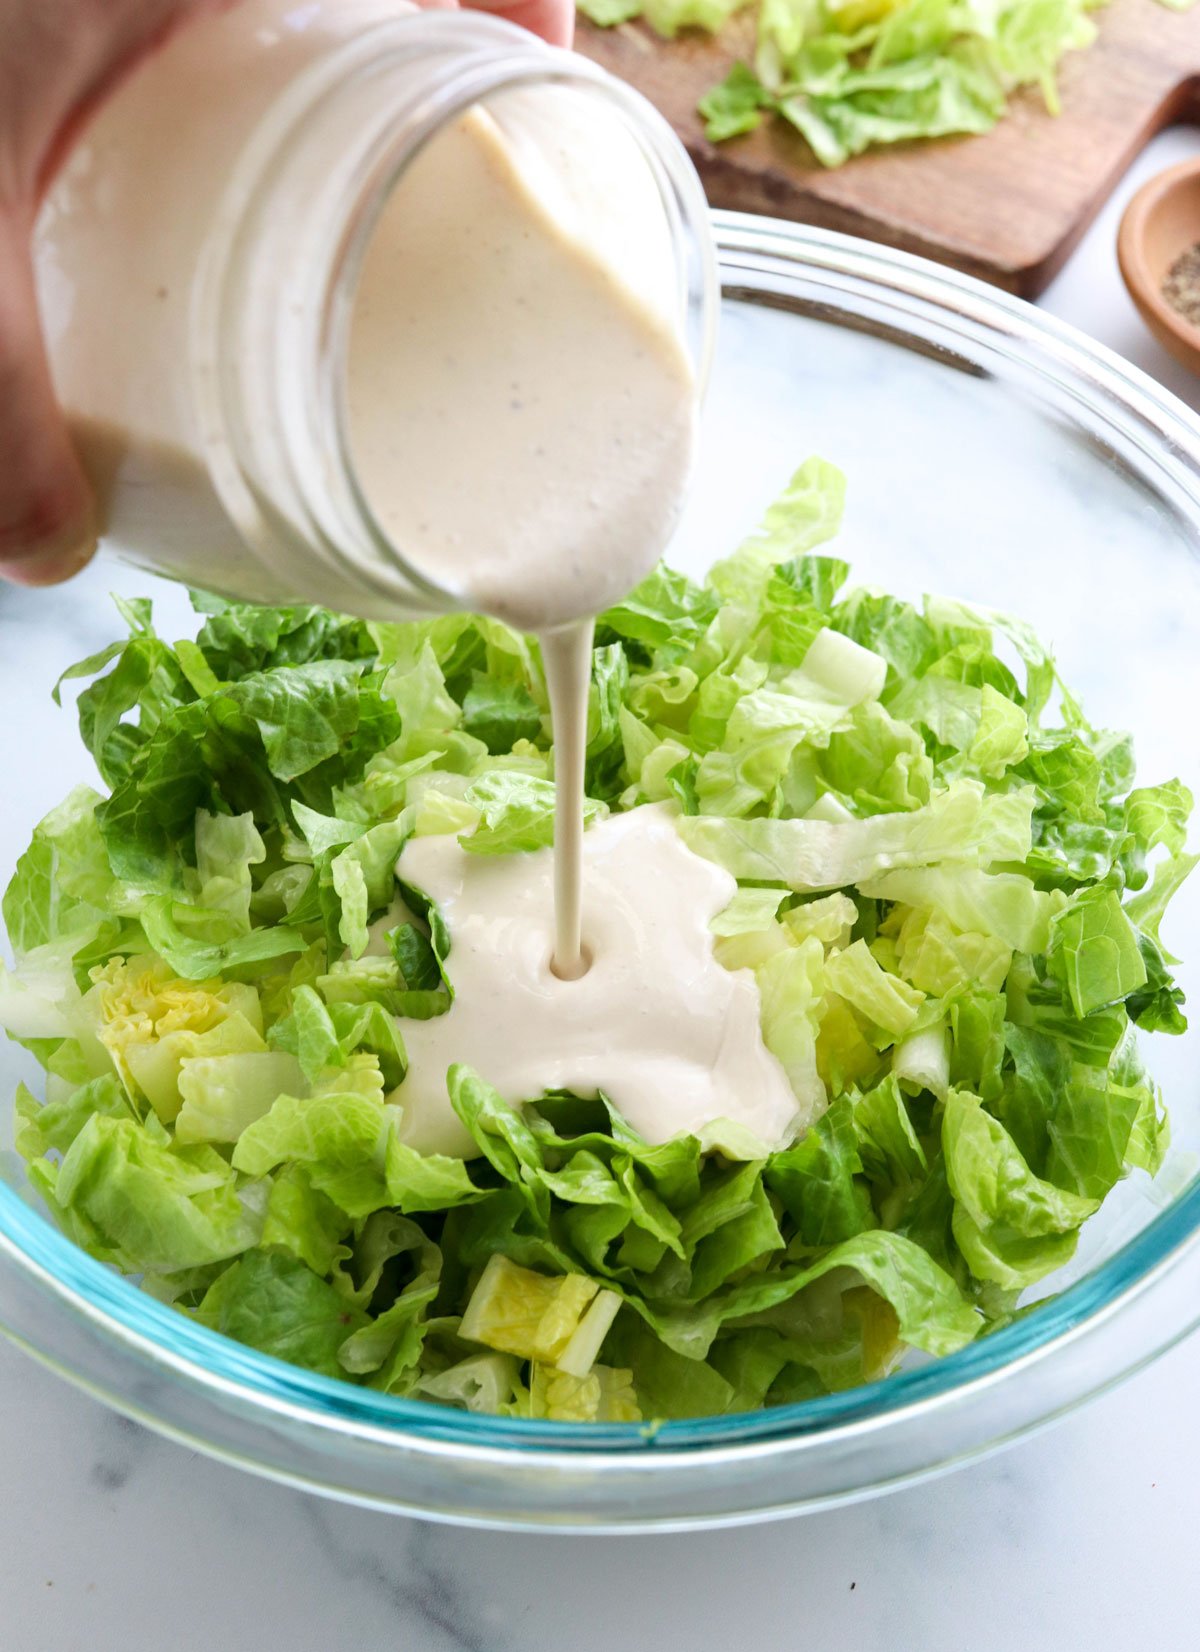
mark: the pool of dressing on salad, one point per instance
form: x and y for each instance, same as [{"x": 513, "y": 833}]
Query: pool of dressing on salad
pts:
[
  {"x": 520, "y": 412},
  {"x": 667, "y": 1033}
]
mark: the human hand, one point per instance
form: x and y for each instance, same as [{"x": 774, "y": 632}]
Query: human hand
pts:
[{"x": 58, "y": 60}]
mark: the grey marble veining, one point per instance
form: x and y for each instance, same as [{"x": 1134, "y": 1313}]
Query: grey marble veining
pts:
[
  {"x": 112, "y": 1540},
  {"x": 116, "y": 1541}
]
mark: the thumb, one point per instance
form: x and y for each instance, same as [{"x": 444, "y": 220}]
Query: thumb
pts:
[
  {"x": 47, "y": 528},
  {"x": 554, "y": 20}
]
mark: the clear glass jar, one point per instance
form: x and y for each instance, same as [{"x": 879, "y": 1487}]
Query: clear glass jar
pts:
[{"x": 198, "y": 257}]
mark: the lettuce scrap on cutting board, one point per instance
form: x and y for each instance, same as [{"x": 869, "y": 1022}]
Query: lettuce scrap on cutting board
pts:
[
  {"x": 850, "y": 75},
  {"x": 949, "y": 890}
]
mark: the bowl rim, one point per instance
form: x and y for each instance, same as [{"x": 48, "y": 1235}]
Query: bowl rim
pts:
[{"x": 1167, "y": 433}]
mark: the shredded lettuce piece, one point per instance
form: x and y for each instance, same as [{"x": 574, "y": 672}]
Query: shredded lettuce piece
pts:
[
  {"x": 600, "y": 1395},
  {"x": 962, "y": 825},
  {"x": 518, "y": 1311}
]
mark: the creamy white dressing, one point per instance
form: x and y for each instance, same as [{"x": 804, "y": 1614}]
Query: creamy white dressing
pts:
[
  {"x": 567, "y": 656},
  {"x": 671, "y": 1037},
  {"x": 520, "y": 401}
]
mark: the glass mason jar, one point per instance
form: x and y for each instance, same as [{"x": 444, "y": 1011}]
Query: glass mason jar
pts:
[{"x": 197, "y": 262}]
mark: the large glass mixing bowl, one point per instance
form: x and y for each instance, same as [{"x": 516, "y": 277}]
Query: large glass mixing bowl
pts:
[{"x": 992, "y": 454}]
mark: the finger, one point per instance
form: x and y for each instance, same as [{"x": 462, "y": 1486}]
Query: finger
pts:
[
  {"x": 58, "y": 60},
  {"x": 554, "y": 20},
  {"x": 47, "y": 528}
]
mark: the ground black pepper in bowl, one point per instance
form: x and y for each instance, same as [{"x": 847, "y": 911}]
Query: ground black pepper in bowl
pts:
[{"x": 1181, "y": 287}]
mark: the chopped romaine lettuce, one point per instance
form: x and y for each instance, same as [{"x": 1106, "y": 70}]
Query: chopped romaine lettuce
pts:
[
  {"x": 951, "y": 903},
  {"x": 852, "y": 74}
]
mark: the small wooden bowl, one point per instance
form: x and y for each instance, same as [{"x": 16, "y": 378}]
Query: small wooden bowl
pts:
[{"x": 1161, "y": 222}]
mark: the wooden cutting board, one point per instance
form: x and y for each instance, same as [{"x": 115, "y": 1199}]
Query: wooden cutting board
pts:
[{"x": 1008, "y": 206}]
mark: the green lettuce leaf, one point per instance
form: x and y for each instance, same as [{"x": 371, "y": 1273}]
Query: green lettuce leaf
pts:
[
  {"x": 274, "y": 1303},
  {"x": 732, "y": 107},
  {"x": 1012, "y": 1227},
  {"x": 516, "y": 814},
  {"x": 1094, "y": 951},
  {"x": 156, "y": 1205}
]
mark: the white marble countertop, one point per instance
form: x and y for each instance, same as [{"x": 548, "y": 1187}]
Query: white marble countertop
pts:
[{"x": 1083, "y": 1537}]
